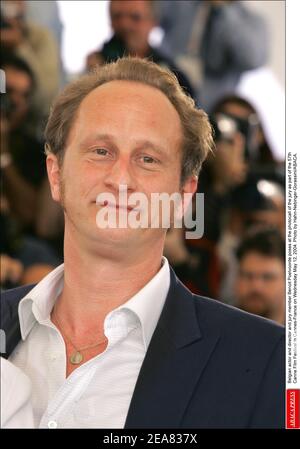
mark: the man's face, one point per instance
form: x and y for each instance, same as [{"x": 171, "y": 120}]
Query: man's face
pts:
[
  {"x": 132, "y": 21},
  {"x": 18, "y": 92},
  {"x": 229, "y": 161},
  {"x": 13, "y": 9},
  {"x": 125, "y": 133},
  {"x": 260, "y": 287}
]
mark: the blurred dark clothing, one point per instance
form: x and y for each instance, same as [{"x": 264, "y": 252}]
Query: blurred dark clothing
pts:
[
  {"x": 247, "y": 197},
  {"x": 202, "y": 273},
  {"x": 28, "y": 161},
  {"x": 115, "y": 48},
  {"x": 28, "y": 250},
  {"x": 215, "y": 206},
  {"x": 28, "y": 157},
  {"x": 33, "y": 251}
]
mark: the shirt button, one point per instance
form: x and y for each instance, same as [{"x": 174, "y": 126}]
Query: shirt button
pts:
[{"x": 52, "y": 424}]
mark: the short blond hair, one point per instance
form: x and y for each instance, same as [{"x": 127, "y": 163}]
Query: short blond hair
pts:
[{"x": 197, "y": 132}]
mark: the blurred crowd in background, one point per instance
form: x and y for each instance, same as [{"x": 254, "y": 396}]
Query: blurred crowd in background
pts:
[{"x": 219, "y": 51}]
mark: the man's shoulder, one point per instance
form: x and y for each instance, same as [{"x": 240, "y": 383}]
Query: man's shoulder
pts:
[
  {"x": 37, "y": 34},
  {"x": 234, "y": 323}
]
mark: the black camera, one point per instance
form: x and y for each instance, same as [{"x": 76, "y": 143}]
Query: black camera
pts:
[{"x": 226, "y": 126}]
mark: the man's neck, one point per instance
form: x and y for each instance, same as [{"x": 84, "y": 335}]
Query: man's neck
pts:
[
  {"x": 94, "y": 285},
  {"x": 141, "y": 52}
]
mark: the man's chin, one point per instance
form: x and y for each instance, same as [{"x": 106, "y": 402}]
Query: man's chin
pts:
[{"x": 118, "y": 235}]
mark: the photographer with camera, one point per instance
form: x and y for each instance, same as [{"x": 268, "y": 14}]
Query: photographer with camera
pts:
[
  {"x": 240, "y": 149},
  {"x": 196, "y": 261},
  {"x": 24, "y": 258},
  {"x": 36, "y": 46},
  {"x": 259, "y": 199},
  {"x": 22, "y": 159}
]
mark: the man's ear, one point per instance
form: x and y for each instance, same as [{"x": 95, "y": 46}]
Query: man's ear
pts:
[
  {"x": 189, "y": 188},
  {"x": 54, "y": 174}
]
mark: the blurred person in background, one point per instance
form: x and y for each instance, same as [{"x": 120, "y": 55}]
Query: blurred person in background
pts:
[
  {"x": 257, "y": 202},
  {"x": 260, "y": 283},
  {"x": 49, "y": 220},
  {"x": 22, "y": 155},
  {"x": 176, "y": 20},
  {"x": 196, "y": 261},
  {"x": 46, "y": 14},
  {"x": 49, "y": 223},
  {"x": 132, "y": 21},
  {"x": 37, "y": 47},
  {"x": 229, "y": 178},
  {"x": 217, "y": 42},
  {"x": 23, "y": 259},
  {"x": 236, "y": 169},
  {"x": 234, "y": 113}
]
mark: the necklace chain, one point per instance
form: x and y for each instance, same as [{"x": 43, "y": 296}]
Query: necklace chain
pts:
[{"x": 76, "y": 357}]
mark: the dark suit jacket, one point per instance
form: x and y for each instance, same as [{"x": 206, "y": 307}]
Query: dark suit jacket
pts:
[{"x": 208, "y": 365}]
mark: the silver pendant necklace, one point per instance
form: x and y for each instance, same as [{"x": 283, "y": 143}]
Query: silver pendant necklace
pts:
[{"x": 76, "y": 357}]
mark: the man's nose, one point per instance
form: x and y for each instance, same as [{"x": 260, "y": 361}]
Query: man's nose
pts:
[
  {"x": 258, "y": 283},
  {"x": 124, "y": 24},
  {"x": 120, "y": 174}
]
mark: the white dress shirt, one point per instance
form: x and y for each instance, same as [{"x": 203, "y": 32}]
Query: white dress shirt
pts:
[
  {"x": 16, "y": 408},
  {"x": 97, "y": 394}
]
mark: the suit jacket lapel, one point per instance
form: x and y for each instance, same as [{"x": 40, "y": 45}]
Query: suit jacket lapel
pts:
[{"x": 176, "y": 357}]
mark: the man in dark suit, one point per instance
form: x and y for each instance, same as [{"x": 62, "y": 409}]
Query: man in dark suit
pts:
[{"x": 112, "y": 338}]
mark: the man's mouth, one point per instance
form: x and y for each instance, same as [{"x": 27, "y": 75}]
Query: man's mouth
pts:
[
  {"x": 254, "y": 298},
  {"x": 122, "y": 207}
]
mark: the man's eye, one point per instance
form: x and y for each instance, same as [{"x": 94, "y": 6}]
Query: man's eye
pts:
[
  {"x": 148, "y": 160},
  {"x": 101, "y": 151}
]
